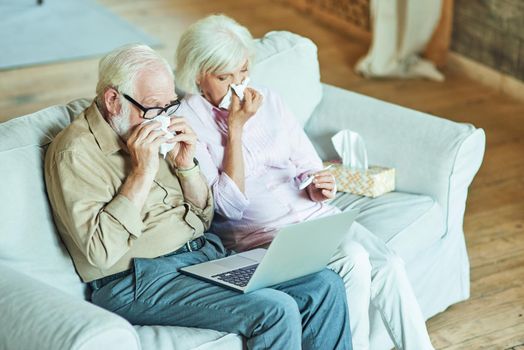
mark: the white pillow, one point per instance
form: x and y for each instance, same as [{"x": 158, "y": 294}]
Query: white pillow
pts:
[
  {"x": 287, "y": 63},
  {"x": 30, "y": 243}
]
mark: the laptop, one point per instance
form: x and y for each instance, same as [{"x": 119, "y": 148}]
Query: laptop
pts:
[{"x": 296, "y": 251}]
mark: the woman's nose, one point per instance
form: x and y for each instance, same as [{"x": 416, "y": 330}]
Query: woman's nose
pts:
[{"x": 238, "y": 78}]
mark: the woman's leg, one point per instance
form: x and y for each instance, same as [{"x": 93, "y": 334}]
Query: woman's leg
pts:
[
  {"x": 392, "y": 294},
  {"x": 351, "y": 262}
]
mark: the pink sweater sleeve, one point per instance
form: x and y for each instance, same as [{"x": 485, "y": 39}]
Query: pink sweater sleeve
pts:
[{"x": 229, "y": 201}]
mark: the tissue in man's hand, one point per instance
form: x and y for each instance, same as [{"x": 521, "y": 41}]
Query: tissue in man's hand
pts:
[
  {"x": 238, "y": 89},
  {"x": 165, "y": 121},
  {"x": 353, "y": 174}
]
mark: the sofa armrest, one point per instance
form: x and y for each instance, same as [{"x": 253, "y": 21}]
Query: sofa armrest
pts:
[
  {"x": 431, "y": 155},
  {"x": 37, "y": 316}
]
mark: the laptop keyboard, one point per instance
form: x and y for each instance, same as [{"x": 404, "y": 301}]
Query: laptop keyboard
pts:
[{"x": 239, "y": 277}]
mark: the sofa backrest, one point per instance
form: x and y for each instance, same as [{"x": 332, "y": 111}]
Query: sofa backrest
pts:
[
  {"x": 288, "y": 64},
  {"x": 29, "y": 242}
]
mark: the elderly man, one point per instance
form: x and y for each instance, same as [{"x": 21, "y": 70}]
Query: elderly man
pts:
[{"x": 130, "y": 219}]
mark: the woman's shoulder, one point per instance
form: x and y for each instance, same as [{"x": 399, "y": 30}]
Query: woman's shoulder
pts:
[
  {"x": 267, "y": 92},
  {"x": 271, "y": 99},
  {"x": 192, "y": 108}
]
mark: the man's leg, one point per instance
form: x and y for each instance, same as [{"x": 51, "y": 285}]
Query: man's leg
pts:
[
  {"x": 321, "y": 300},
  {"x": 269, "y": 318}
]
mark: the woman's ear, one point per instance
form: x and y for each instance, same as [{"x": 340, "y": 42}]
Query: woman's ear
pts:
[
  {"x": 112, "y": 101},
  {"x": 197, "y": 81}
]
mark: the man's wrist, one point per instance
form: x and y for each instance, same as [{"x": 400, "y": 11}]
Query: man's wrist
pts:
[
  {"x": 183, "y": 172},
  {"x": 143, "y": 175},
  {"x": 184, "y": 167}
]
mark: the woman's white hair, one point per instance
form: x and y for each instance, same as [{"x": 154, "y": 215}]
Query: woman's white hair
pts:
[
  {"x": 214, "y": 45},
  {"x": 119, "y": 69}
]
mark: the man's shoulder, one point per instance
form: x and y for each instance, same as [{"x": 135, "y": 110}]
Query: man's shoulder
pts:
[{"x": 75, "y": 137}]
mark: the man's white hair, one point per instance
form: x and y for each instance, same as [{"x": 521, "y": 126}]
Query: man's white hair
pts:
[
  {"x": 119, "y": 69},
  {"x": 215, "y": 44}
]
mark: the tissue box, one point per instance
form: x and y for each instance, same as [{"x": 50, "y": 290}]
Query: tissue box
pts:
[{"x": 373, "y": 182}]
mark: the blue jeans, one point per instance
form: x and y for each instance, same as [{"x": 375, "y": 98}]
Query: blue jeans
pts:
[{"x": 308, "y": 312}]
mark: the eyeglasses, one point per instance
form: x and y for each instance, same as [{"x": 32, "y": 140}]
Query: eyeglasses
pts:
[{"x": 152, "y": 112}]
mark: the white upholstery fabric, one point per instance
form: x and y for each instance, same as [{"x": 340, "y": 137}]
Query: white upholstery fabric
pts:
[
  {"x": 30, "y": 243},
  {"x": 423, "y": 149},
  {"x": 184, "y": 338},
  {"x": 37, "y": 316},
  {"x": 433, "y": 157},
  {"x": 288, "y": 64},
  {"x": 408, "y": 223}
]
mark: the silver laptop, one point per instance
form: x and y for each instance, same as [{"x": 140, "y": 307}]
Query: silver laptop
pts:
[{"x": 296, "y": 251}]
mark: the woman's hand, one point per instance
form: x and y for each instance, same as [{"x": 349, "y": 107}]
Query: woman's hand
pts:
[
  {"x": 323, "y": 187},
  {"x": 239, "y": 113},
  {"x": 182, "y": 154}
]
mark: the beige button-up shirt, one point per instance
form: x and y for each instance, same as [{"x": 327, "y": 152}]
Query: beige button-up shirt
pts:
[{"x": 85, "y": 166}]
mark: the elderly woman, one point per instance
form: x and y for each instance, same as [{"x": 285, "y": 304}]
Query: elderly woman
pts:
[{"x": 254, "y": 154}]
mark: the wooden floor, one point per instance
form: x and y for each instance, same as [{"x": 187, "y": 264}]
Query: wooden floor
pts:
[{"x": 493, "y": 317}]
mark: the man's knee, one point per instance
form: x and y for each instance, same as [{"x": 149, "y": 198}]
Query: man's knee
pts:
[
  {"x": 277, "y": 307},
  {"x": 326, "y": 284}
]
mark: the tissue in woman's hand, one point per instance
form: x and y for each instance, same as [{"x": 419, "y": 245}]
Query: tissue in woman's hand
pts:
[
  {"x": 238, "y": 89},
  {"x": 165, "y": 121},
  {"x": 351, "y": 149}
]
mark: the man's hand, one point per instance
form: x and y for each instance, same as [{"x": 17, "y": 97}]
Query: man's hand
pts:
[
  {"x": 143, "y": 145},
  {"x": 239, "y": 113},
  {"x": 181, "y": 156},
  {"x": 322, "y": 187}
]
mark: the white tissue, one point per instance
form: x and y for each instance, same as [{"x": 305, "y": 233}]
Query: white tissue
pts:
[
  {"x": 351, "y": 149},
  {"x": 238, "y": 89},
  {"x": 165, "y": 121}
]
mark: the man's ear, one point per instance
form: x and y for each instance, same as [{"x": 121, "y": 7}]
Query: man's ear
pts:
[{"x": 112, "y": 101}]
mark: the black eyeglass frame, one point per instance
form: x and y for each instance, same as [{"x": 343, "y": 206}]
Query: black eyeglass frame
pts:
[{"x": 175, "y": 103}]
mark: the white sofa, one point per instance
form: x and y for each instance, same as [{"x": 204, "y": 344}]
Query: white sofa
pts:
[{"x": 43, "y": 303}]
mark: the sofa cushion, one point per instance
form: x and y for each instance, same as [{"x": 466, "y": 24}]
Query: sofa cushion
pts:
[
  {"x": 408, "y": 223},
  {"x": 181, "y": 338},
  {"x": 30, "y": 243},
  {"x": 288, "y": 64}
]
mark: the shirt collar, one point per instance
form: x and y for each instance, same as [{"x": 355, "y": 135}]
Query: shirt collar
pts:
[
  {"x": 203, "y": 109},
  {"x": 107, "y": 139}
]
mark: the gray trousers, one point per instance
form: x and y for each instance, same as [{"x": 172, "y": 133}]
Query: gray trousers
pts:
[{"x": 306, "y": 313}]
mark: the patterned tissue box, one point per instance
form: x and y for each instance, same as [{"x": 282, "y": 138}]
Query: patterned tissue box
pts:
[{"x": 373, "y": 182}]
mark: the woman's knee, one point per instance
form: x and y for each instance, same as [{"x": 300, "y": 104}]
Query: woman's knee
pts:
[
  {"x": 352, "y": 260},
  {"x": 394, "y": 263}
]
